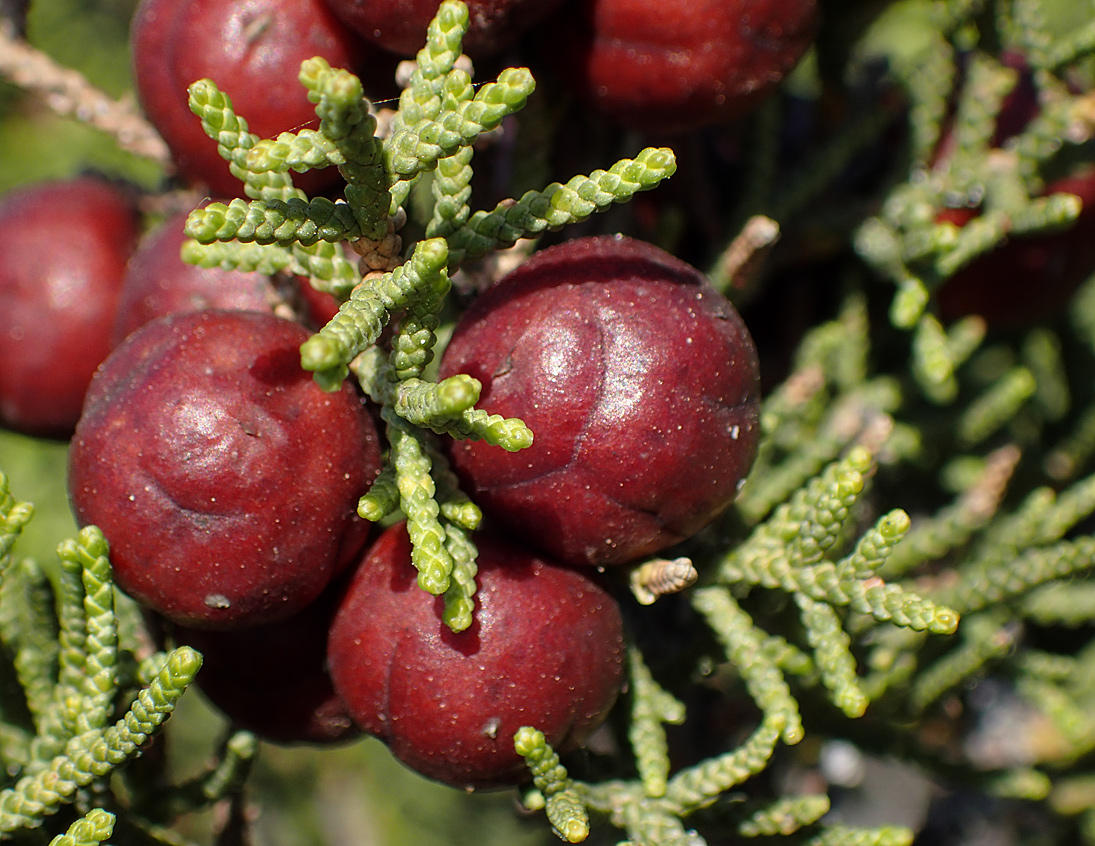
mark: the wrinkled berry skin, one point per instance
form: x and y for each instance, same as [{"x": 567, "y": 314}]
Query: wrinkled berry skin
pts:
[
  {"x": 545, "y": 649},
  {"x": 224, "y": 479},
  {"x": 157, "y": 282},
  {"x": 640, "y": 384},
  {"x": 252, "y": 50},
  {"x": 400, "y": 26},
  {"x": 272, "y": 679},
  {"x": 679, "y": 64},
  {"x": 65, "y": 249}
]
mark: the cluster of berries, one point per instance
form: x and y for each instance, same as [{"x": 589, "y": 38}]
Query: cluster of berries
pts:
[{"x": 228, "y": 482}]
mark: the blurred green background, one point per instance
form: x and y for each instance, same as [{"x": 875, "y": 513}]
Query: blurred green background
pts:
[{"x": 352, "y": 795}]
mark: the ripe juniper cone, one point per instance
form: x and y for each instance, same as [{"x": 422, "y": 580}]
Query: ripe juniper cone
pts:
[
  {"x": 224, "y": 479},
  {"x": 679, "y": 64},
  {"x": 400, "y": 25},
  {"x": 157, "y": 282},
  {"x": 65, "y": 250},
  {"x": 252, "y": 50},
  {"x": 641, "y": 384},
  {"x": 545, "y": 649},
  {"x": 272, "y": 679}
]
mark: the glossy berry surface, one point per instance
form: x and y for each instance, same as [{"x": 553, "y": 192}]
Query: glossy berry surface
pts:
[
  {"x": 252, "y": 50},
  {"x": 680, "y": 64},
  {"x": 400, "y": 25},
  {"x": 224, "y": 479},
  {"x": 640, "y": 384},
  {"x": 272, "y": 679},
  {"x": 158, "y": 282},
  {"x": 65, "y": 250},
  {"x": 545, "y": 649}
]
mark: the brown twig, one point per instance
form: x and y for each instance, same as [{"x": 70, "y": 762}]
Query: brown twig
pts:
[
  {"x": 13, "y": 17},
  {"x": 67, "y": 92},
  {"x": 743, "y": 259}
]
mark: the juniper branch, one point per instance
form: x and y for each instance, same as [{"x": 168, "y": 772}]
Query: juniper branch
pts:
[
  {"x": 460, "y": 594},
  {"x": 451, "y": 189},
  {"x": 651, "y": 706},
  {"x": 412, "y": 346},
  {"x": 653, "y": 824},
  {"x": 93, "y": 754},
  {"x": 929, "y": 77},
  {"x": 696, "y": 786},
  {"x": 986, "y": 84},
  {"x": 564, "y": 809},
  {"x": 559, "y": 205},
  {"x": 90, "y": 830},
  {"x": 98, "y": 679},
  {"x": 785, "y": 816},
  {"x": 29, "y": 628},
  {"x": 281, "y": 222},
  {"x": 982, "y": 583},
  {"x": 421, "y": 99},
  {"x": 875, "y": 546},
  {"x": 1042, "y": 517},
  {"x": 429, "y": 552},
  {"x": 1061, "y": 603},
  {"x": 362, "y": 318},
  {"x": 999, "y": 404},
  {"x": 234, "y": 140},
  {"x": 249, "y": 258},
  {"x": 382, "y": 498},
  {"x": 800, "y": 531},
  {"x": 509, "y": 433},
  {"x": 842, "y": 835},
  {"x": 346, "y": 122},
  {"x": 743, "y": 644},
  {"x": 414, "y": 149},
  {"x": 833, "y": 655},
  {"x": 14, "y": 515},
  {"x": 1043, "y": 355},
  {"x": 301, "y": 151}
]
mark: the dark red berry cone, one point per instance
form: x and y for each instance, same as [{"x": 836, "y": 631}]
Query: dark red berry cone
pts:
[
  {"x": 640, "y": 384},
  {"x": 158, "y": 282},
  {"x": 545, "y": 650},
  {"x": 224, "y": 479},
  {"x": 400, "y": 25},
  {"x": 272, "y": 679},
  {"x": 65, "y": 249},
  {"x": 252, "y": 50},
  {"x": 679, "y": 64}
]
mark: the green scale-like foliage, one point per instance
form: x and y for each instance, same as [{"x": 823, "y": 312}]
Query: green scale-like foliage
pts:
[
  {"x": 64, "y": 732},
  {"x": 90, "y": 830},
  {"x": 14, "y": 515},
  {"x": 908, "y": 243}
]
